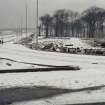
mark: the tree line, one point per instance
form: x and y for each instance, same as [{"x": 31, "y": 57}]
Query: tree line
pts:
[{"x": 67, "y": 23}]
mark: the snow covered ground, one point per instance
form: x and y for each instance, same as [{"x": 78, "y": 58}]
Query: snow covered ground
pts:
[
  {"x": 7, "y": 64},
  {"x": 76, "y": 42},
  {"x": 78, "y": 85},
  {"x": 91, "y": 75},
  {"x": 13, "y": 37},
  {"x": 51, "y": 88}
]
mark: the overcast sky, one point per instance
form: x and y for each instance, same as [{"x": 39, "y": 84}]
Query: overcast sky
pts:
[{"x": 13, "y": 11}]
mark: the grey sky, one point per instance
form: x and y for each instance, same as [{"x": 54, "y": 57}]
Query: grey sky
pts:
[{"x": 11, "y": 11}]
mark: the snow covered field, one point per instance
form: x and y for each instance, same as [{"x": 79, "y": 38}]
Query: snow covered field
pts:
[{"x": 50, "y": 88}]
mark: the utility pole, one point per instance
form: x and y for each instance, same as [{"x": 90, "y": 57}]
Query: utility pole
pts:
[
  {"x": 26, "y": 18},
  {"x": 17, "y": 36},
  {"x": 21, "y": 28},
  {"x": 37, "y": 7}
]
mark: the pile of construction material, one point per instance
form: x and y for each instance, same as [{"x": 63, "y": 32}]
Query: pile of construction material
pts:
[
  {"x": 48, "y": 46},
  {"x": 54, "y": 47}
]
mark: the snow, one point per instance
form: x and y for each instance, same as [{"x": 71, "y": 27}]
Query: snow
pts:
[
  {"x": 7, "y": 64},
  {"x": 89, "y": 75},
  {"x": 62, "y": 80},
  {"x": 22, "y": 54},
  {"x": 79, "y": 83},
  {"x": 12, "y": 37},
  {"x": 9, "y": 38},
  {"x": 76, "y": 42}
]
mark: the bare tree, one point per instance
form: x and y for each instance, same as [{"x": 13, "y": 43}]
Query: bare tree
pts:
[
  {"x": 69, "y": 23},
  {"x": 61, "y": 18},
  {"x": 46, "y": 21},
  {"x": 92, "y": 16}
]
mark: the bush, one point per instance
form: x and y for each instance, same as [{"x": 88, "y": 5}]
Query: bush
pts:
[{"x": 103, "y": 44}]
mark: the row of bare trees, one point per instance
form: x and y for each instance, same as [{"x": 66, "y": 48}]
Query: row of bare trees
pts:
[{"x": 67, "y": 23}]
